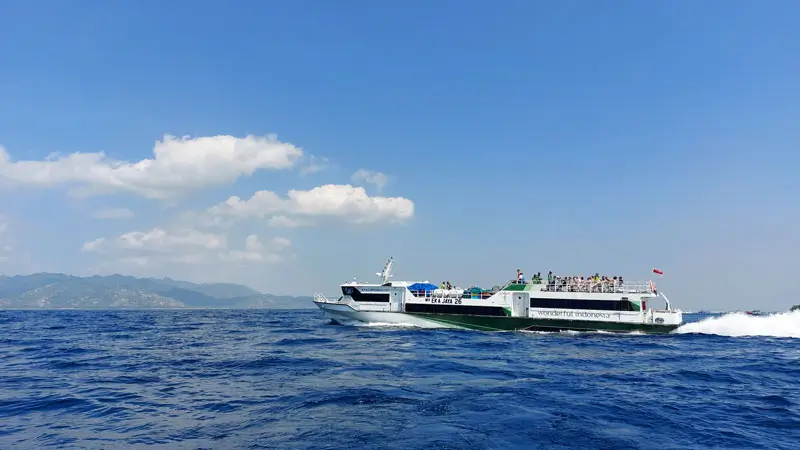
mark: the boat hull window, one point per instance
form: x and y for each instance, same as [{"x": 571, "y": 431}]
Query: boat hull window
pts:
[
  {"x": 362, "y": 297},
  {"x": 455, "y": 309},
  {"x": 601, "y": 305}
]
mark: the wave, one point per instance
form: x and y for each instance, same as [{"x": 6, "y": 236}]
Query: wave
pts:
[
  {"x": 740, "y": 324},
  {"x": 284, "y": 380}
]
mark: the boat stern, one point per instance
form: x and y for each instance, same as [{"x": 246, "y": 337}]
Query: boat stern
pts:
[{"x": 671, "y": 317}]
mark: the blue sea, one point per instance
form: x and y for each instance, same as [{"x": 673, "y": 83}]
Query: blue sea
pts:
[{"x": 239, "y": 379}]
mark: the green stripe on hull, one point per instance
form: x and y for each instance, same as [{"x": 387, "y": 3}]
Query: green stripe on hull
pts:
[{"x": 495, "y": 323}]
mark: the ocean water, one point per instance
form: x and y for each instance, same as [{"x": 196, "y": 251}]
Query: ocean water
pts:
[{"x": 290, "y": 379}]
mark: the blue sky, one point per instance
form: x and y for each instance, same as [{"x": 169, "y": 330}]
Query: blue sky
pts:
[{"x": 568, "y": 136}]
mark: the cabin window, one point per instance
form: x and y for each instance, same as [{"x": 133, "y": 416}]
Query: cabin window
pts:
[
  {"x": 455, "y": 309},
  {"x": 602, "y": 305},
  {"x": 361, "y": 297}
]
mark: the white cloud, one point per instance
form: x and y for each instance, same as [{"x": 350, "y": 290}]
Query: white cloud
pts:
[
  {"x": 256, "y": 252},
  {"x": 96, "y": 245},
  {"x": 178, "y": 165},
  {"x": 280, "y": 243},
  {"x": 252, "y": 244},
  {"x": 378, "y": 179},
  {"x": 314, "y": 164},
  {"x": 288, "y": 222},
  {"x": 330, "y": 200},
  {"x": 112, "y": 213},
  {"x": 5, "y": 241},
  {"x": 161, "y": 247},
  {"x": 160, "y": 240}
]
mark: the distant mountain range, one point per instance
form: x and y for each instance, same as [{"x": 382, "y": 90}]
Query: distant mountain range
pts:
[{"x": 57, "y": 290}]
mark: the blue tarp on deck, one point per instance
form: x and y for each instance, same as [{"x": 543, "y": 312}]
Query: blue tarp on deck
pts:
[{"x": 423, "y": 287}]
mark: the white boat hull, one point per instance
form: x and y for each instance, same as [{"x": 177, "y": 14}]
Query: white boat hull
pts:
[
  {"x": 344, "y": 314},
  {"x": 598, "y": 305}
]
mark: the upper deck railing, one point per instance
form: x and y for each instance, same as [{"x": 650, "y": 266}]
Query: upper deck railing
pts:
[
  {"x": 605, "y": 287},
  {"x": 602, "y": 286}
]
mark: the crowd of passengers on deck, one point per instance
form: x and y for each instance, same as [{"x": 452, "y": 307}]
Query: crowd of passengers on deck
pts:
[{"x": 592, "y": 283}]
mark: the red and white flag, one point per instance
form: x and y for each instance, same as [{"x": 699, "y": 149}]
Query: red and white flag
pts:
[{"x": 658, "y": 272}]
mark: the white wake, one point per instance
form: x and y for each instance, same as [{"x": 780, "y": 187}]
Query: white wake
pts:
[
  {"x": 740, "y": 324},
  {"x": 358, "y": 323},
  {"x": 388, "y": 324}
]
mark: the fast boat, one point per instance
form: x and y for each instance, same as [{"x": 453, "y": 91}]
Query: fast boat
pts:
[{"x": 558, "y": 304}]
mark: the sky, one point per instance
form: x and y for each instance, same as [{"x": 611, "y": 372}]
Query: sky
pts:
[{"x": 293, "y": 145}]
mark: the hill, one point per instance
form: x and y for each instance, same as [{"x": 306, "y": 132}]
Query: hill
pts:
[{"x": 57, "y": 290}]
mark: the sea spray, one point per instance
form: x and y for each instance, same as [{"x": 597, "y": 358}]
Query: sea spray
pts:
[
  {"x": 740, "y": 324},
  {"x": 358, "y": 323}
]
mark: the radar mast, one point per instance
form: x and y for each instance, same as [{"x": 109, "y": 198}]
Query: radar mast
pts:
[{"x": 386, "y": 273}]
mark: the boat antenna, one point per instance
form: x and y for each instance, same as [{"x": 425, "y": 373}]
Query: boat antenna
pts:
[{"x": 386, "y": 273}]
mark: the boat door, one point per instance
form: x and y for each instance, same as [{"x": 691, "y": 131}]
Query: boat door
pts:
[
  {"x": 520, "y": 303},
  {"x": 396, "y": 300}
]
